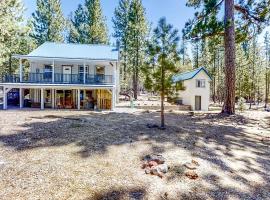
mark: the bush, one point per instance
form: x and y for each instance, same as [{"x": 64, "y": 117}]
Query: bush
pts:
[{"x": 242, "y": 104}]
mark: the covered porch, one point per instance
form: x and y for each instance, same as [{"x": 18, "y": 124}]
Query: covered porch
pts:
[{"x": 62, "y": 97}]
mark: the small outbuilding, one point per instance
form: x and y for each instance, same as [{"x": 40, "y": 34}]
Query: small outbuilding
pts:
[{"x": 195, "y": 90}]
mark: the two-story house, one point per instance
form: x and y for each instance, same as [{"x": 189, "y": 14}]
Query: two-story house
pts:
[
  {"x": 66, "y": 76},
  {"x": 196, "y": 88}
]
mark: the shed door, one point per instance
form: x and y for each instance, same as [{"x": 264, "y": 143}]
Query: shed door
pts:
[{"x": 198, "y": 102}]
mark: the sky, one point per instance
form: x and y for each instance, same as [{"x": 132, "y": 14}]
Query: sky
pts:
[{"x": 174, "y": 10}]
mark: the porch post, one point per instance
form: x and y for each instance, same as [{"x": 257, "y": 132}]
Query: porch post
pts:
[
  {"x": 113, "y": 98},
  {"x": 53, "y": 98},
  {"x": 78, "y": 99},
  {"x": 21, "y": 97},
  {"x": 53, "y": 72},
  {"x": 42, "y": 99},
  {"x": 5, "y": 98},
  {"x": 21, "y": 71},
  {"x": 84, "y": 74}
]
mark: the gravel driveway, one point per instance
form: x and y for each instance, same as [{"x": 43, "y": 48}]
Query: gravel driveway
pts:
[{"x": 87, "y": 155}]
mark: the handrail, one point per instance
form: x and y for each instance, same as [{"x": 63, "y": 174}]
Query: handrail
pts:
[{"x": 46, "y": 78}]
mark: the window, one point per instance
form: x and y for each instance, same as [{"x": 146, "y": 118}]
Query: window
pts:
[
  {"x": 100, "y": 70},
  {"x": 200, "y": 83},
  {"x": 47, "y": 72},
  {"x": 81, "y": 71}
]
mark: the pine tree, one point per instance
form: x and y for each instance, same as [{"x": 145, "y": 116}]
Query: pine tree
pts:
[
  {"x": 48, "y": 22},
  {"x": 267, "y": 67},
  {"x": 78, "y": 27},
  {"x": 121, "y": 23},
  {"x": 207, "y": 24},
  {"x": 14, "y": 35},
  {"x": 137, "y": 33},
  {"x": 97, "y": 29},
  {"x": 164, "y": 54}
]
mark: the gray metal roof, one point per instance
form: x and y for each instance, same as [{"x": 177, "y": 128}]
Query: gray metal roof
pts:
[{"x": 75, "y": 51}]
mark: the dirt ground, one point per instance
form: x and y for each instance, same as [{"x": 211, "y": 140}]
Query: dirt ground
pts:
[{"x": 87, "y": 155}]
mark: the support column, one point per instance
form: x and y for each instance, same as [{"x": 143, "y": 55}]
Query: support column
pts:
[
  {"x": 21, "y": 71},
  {"x": 78, "y": 99},
  {"x": 84, "y": 74},
  {"x": 53, "y": 98},
  {"x": 42, "y": 99},
  {"x": 113, "y": 98},
  {"x": 5, "y": 99},
  {"x": 53, "y": 72},
  {"x": 21, "y": 97}
]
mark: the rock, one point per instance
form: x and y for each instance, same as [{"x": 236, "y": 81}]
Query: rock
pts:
[
  {"x": 159, "y": 159},
  {"x": 163, "y": 168},
  {"x": 192, "y": 175},
  {"x": 156, "y": 171},
  {"x": 191, "y": 166},
  {"x": 195, "y": 162},
  {"x": 147, "y": 170}
]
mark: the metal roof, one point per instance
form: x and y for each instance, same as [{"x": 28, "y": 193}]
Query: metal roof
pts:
[
  {"x": 189, "y": 75},
  {"x": 75, "y": 51}
]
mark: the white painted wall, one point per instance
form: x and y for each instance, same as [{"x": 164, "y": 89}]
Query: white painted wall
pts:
[
  {"x": 109, "y": 70},
  {"x": 188, "y": 95}
]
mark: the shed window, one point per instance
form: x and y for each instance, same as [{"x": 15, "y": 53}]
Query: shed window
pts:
[{"x": 200, "y": 83}]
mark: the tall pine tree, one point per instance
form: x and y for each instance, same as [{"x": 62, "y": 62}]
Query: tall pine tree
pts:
[
  {"x": 97, "y": 28},
  {"x": 78, "y": 31},
  {"x": 48, "y": 22},
  {"x": 14, "y": 35},
  {"x": 121, "y": 23},
  {"x": 137, "y": 33}
]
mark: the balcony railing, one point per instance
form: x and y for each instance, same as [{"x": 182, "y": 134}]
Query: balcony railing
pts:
[{"x": 46, "y": 78}]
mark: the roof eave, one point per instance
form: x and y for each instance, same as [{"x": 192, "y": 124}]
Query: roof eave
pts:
[{"x": 63, "y": 58}]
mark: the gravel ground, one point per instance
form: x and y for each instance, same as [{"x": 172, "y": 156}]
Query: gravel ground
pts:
[{"x": 87, "y": 155}]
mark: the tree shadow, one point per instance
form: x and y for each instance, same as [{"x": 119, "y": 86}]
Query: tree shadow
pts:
[
  {"x": 213, "y": 138},
  {"x": 131, "y": 194}
]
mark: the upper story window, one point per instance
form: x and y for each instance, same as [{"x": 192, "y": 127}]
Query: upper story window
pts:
[
  {"x": 81, "y": 69},
  {"x": 47, "y": 71},
  {"x": 100, "y": 70},
  {"x": 200, "y": 83}
]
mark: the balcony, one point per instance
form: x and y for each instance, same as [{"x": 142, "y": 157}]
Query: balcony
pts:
[{"x": 46, "y": 78}]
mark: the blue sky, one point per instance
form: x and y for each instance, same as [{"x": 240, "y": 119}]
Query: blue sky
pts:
[{"x": 174, "y": 10}]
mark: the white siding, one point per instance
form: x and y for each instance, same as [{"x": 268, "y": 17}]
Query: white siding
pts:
[
  {"x": 188, "y": 95},
  {"x": 58, "y": 67}
]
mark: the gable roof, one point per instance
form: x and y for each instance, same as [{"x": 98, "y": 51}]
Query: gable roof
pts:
[
  {"x": 75, "y": 51},
  {"x": 189, "y": 75}
]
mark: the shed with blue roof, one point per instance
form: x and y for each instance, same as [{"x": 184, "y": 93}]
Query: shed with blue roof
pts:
[{"x": 196, "y": 88}]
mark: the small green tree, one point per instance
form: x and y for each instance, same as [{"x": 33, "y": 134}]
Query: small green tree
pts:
[
  {"x": 163, "y": 54},
  {"x": 241, "y": 104}
]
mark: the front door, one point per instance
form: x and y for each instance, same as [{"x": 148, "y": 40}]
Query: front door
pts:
[
  {"x": 198, "y": 102},
  {"x": 66, "y": 74}
]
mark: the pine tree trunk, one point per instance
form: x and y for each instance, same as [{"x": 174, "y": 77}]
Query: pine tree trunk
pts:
[
  {"x": 229, "y": 41},
  {"x": 266, "y": 89},
  {"x": 162, "y": 98},
  {"x": 214, "y": 79}
]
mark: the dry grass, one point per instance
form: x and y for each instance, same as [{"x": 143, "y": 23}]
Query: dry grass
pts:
[{"x": 85, "y": 155}]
